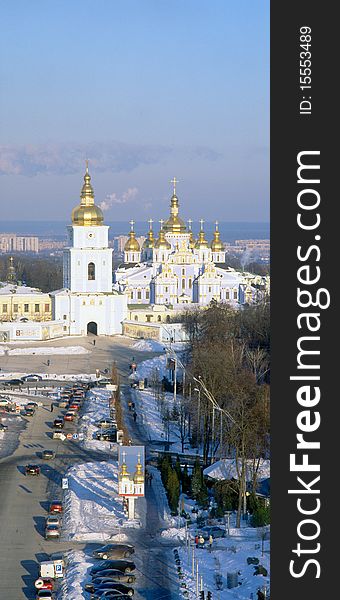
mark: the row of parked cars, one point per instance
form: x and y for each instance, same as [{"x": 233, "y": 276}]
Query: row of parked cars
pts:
[{"x": 110, "y": 578}]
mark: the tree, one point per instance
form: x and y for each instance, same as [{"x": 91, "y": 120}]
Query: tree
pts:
[{"x": 173, "y": 490}]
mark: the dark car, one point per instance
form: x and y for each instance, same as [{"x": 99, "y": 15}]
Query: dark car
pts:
[
  {"x": 111, "y": 585},
  {"x": 214, "y": 530},
  {"x": 3, "y": 427},
  {"x": 31, "y": 377},
  {"x": 58, "y": 423},
  {"x": 114, "y": 551},
  {"x": 12, "y": 382},
  {"x": 32, "y": 470},
  {"x": 125, "y": 566},
  {"x": 29, "y": 411},
  {"x": 115, "y": 576},
  {"x": 116, "y": 590},
  {"x": 47, "y": 454},
  {"x": 106, "y": 436}
]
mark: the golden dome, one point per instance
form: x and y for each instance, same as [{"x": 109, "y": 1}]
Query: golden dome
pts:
[
  {"x": 138, "y": 475},
  {"x": 217, "y": 245},
  {"x": 201, "y": 241},
  {"x": 150, "y": 240},
  {"x": 87, "y": 213},
  {"x": 174, "y": 223},
  {"x": 132, "y": 244},
  {"x": 162, "y": 243}
]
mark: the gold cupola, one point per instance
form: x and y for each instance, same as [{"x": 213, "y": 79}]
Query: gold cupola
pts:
[
  {"x": 174, "y": 223},
  {"x": 217, "y": 245},
  {"x": 87, "y": 213},
  {"x": 138, "y": 476},
  {"x": 132, "y": 245},
  {"x": 124, "y": 473},
  {"x": 192, "y": 241},
  {"x": 162, "y": 242},
  {"x": 201, "y": 241},
  {"x": 150, "y": 240}
]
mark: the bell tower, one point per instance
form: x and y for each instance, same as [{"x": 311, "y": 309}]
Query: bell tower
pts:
[{"x": 87, "y": 266}]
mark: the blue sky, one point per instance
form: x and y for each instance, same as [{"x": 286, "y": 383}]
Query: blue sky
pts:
[{"x": 146, "y": 90}]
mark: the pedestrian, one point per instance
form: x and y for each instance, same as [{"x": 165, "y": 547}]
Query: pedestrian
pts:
[
  {"x": 196, "y": 540},
  {"x": 51, "y": 406},
  {"x": 201, "y": 541},
  {"x": 48, "y": 362},
  {"x": 150, "y": 478},
  {"x": 210, "y": 542},
  {"x": 135, "y": 416},
  {"x": 94, "y": 342}
]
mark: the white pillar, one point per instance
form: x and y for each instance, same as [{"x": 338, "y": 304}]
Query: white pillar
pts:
[{"x": 131, "y": 508}]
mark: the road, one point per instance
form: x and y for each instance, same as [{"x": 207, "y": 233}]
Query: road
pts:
[{"x": 24, "y": 500}]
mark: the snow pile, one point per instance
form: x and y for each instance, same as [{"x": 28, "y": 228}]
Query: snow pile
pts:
[
  {"x": 226, "y": 469},
  {"x": 149, "y": 346},
  {"x": 93, "y": 509},
  {"x": 95, "y": 408},
  {"x": 50, "y": 350},
  {"x": 149, "y": 367},
  {"x": 72, "y": 584}
]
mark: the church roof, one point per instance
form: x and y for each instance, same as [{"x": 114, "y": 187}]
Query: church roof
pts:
[{"x": 87, "y": 213}]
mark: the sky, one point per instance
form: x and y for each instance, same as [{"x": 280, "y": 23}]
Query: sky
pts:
[{"x": 146, "y": 90}]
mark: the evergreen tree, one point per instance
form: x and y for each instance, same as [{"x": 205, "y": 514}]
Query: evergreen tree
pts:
[
  {"x": 197, "y": 479},
  {"x": 173, "y": 491}
]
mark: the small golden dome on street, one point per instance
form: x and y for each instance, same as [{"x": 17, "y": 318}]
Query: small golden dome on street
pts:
[
  {"x": 87, "y": 213},
  {"x": 138, "y": 475}
]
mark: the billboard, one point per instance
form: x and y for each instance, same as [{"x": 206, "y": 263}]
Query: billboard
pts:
[{"x": 131, "y": 471}]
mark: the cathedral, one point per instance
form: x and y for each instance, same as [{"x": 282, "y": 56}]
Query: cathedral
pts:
[
  {"x": 175, "y": 269},
  {"x": 87, "y": 303}
]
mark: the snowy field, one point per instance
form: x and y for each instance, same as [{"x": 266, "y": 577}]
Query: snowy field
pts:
[
  {"x": 45, "y": 350},
  {"x": 149, "y": 345},
  {"x": 226, "y": 469},
  {"x": 93, "y": 510}
]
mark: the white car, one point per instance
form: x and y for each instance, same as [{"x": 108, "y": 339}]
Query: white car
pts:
[{"x": 53, "y": 520}]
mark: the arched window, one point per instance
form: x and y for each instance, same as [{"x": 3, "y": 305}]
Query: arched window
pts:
[
  {"x": 159, "y": 318},
  {"x": 183, "y": 284},
  {"x": 91, "y": 271},
  {"x": 190, "y": 283}
]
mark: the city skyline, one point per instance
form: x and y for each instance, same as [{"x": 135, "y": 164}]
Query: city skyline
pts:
[{"x": 157, "y": 90}]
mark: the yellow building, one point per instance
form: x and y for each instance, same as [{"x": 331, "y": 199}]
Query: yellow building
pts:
[{"x": 20, "y": 301}]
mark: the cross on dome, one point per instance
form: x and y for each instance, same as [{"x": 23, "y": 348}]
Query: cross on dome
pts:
[
  {"x": 161, "y": 222},
  {"x": 174, "y": 181},
  {"x": 201, "y": 222},
  {"x": 150, "y": 221},
  {"x": 87, "y": 165},
  {"x": 132, "y": 224}
]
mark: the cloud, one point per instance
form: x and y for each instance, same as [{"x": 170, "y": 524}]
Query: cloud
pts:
[
  {"x": 69, "y": 158},
  {"x": 112, "y": 199}
]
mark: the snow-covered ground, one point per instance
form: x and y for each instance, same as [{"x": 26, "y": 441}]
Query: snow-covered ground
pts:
[
  {"x": 226, "y": 469},
  {"x": 155, "y": 346},
  {"x": 72, "y": 584},
  {"x": 93, "y": 510},
  {"x": 47, "y": 350}
]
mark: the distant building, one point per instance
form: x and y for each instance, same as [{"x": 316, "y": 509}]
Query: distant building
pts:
[
  {"x": 11, "y": 242},
  {"x": 21, "y": 301}
]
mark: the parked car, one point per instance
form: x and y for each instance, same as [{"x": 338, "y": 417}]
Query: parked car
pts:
[
  {"x": 105, "y": 566},
  {"x": 116, "y": 576},
  {"x": 32, "y": 404},
  {"x": 105, "y": 423},
  {"x": 52, "y": 532},
  {"x": 46, "y": 594},
  {"x": 53, "y": 520},
  {"x": 31, "y": 377},
  {"x": 110, "y": 595},
  {"x": 28, "y": 411},
  {"x": 69, "y": 416},
  {"x": 114, "y": 551},
  {"x": 47, "y": 454},
  {"x": 3, "y": 427},
  {"x": 44, "y": 583},
  {"x": 56, "y": 507},
  {"x": 74, "y": 406},
  {"x": 58, "y": 423},
  {"x": 14, "y": 382},
  {"x": 112, "y": 586},
  {"x": 214, "y": 530},
  {"x": 58, "y": 435},
  {"x": 106, "y": 436},
  {"x": 32, "y": 470}
]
